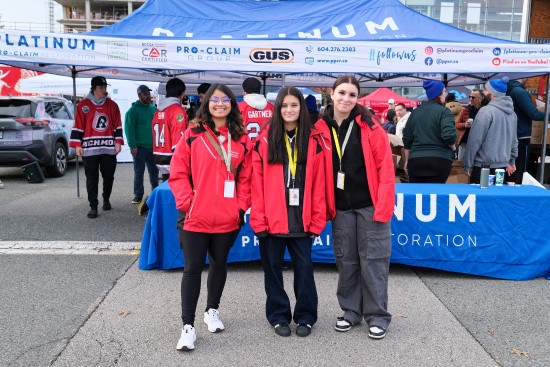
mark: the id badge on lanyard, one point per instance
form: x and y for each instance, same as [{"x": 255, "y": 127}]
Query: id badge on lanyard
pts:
[
  {"x": 229, "y": 189},
  {"x": 294, "y": 197},
  {"x": 341, "y": 176}
]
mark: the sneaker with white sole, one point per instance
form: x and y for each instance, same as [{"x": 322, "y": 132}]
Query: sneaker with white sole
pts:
[
  {"x": 342, "y": 324},
  {"x": 377, "y": 332},
  {"x": 187, "y": 338},
  {"x": 212, "y": 319}
]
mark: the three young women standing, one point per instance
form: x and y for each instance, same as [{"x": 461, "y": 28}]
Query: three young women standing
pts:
[
  {"x": 288, "y": 209},
  {"x": 360, "y": 190},
  {"x": 210, "y": 177}
]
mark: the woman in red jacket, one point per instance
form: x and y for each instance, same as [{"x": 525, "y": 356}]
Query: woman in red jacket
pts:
[
  {"x": 288, "y": 208},
  {"x": 210, "y": 176},
  {"x": 360, "y": 198}
]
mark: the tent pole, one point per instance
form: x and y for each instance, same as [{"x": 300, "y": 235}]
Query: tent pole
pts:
[
  {"x": 73, "y": 75},
  {"x": 544, "y": 132},
  {"x": 264, "y": 78}
]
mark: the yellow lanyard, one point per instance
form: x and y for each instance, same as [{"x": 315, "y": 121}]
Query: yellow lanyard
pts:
[
  {"x": 292, "y": 160},
  {"x": 337, "y": 142},
  {"x": 335, "y": 136}
]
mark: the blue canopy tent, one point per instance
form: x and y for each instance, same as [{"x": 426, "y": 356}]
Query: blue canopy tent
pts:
[
  {"x": 382, "y": 41},
  {"x": 293, "y": 42}
]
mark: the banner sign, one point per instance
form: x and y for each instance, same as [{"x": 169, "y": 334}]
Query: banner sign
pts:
[{"x": 285, "y": 56}]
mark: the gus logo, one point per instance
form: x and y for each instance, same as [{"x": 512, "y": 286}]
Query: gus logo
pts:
[{"x": 271, "y": 55}]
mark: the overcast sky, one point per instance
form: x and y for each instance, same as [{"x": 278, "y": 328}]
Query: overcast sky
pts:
[{"x": 26, "y": 11}]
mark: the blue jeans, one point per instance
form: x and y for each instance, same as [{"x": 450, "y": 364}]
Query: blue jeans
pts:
[
  {"x": 144, "y": 157},
  {"x": 272, "y": 251}
]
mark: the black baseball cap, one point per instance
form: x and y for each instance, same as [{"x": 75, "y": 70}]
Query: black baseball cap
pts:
[
  {"x": 143, "y": 89},
  {"x": 99, "y": 80}
]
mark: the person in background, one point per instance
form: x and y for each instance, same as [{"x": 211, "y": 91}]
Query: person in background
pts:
[
  {"x": 402, "y": 117},
  {"x": 391, "y": 121},
  {"x": 429, "y": 138},
  {"x": 456, "y": 108},
  {"x": 464, "y": 122},
  {"x": 360, "y": 192},
  {"x": 391, "y": 106},
  {"x": 493, "y": 135},
  {"x": 526, "y": 111},
  {"x": 169, "y": 123},
  {"x": 211, "y": 170},
  {"x": 201, "y": 90},
  {"x": 255, "y": 108},
  {"x": 288, "y": 209},
  {"x": 311, "y": 104},
  {"x": 97, "y": 137},
  {"x": 139, "y": 135}
]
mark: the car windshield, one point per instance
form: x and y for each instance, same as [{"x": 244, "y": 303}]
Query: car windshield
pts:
[{"x": 17, "y": 108}]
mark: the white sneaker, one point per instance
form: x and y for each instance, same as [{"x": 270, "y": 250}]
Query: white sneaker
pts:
[
  {"x": 187, "y": 338},
  {"x": 212, "y": 319}
]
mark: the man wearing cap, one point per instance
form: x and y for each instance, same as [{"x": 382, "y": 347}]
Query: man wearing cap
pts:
[
  {"x": 255, "y": 108},
  {"x": 429, "y": 138},
  {"x": 97, "y": 137},
  {"x": 493, "y": 135},
  {"x": 139, "y": 136}
]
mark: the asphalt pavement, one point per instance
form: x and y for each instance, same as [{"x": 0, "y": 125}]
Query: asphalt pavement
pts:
[{"x": 71, "y": 295}]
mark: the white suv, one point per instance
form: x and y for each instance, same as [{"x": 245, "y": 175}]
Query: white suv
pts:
[{"x": 36, "y": 129}]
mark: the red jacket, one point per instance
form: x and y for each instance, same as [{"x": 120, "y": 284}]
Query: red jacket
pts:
[
  {"x": 379, "y": 164},
  {"x": 269, "y": 212},
  {"x": 197, "y": 179}
]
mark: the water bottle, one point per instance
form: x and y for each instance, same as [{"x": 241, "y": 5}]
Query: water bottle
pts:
[{"x": 484, "y": 176}]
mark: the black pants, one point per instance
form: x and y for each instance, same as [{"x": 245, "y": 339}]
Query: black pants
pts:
[
  {"x": 104, "y": 163},
  {"x": 521, "y": 161},
  {"x": 429, "y": 169},
  {"x": 195, "y": 246},
  {"x": 277, "y": 310}
]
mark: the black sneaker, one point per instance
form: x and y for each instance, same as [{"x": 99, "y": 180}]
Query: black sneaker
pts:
[
  {"x": 106, "y": 205},
  {"x": 303, "y": 330},
  {"x": 136, "y": 200},
  {"x": 342, "y": 324},
  {"x": 92, "y": 213},
  {"x": 282, "y": 329},
  {"x": 377, "y": 332}
]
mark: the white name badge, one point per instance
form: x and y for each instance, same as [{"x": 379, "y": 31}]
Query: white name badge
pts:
[
  {"x": 340, "y": 177},
  {"x": 293, "y": 197},
  {"x": 229, "y": 189}
]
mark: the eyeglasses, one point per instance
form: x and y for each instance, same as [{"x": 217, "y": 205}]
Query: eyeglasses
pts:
[
  {"x": 474, "y": 97},
  {"x": 218, "y": 99}
]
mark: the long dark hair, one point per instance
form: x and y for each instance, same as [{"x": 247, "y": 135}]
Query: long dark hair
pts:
[
  {"x": 276, "y": 146},
  {"x": 234, "y": 119},
  {"x": 359, "y": 109}
]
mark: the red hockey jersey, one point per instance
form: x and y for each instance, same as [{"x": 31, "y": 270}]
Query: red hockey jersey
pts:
[
  {"x": 169, "y": 125},
  {"x": 97, "y": 128}
]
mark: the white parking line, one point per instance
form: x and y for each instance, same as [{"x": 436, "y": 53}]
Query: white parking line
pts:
[{"x": 69, "y": 247}]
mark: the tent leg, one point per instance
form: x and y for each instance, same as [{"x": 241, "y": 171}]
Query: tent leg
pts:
[{"x": 544, "y": 132}]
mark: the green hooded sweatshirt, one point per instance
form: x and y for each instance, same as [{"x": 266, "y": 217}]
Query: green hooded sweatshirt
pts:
[{"x": 138, "y": 125}]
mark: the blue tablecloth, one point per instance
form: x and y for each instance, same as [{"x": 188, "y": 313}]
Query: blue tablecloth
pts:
[{"x": 499, "y": 232}]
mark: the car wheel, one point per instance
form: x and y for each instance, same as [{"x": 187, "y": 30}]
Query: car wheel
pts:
[{"x": 59, "y": 166}]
